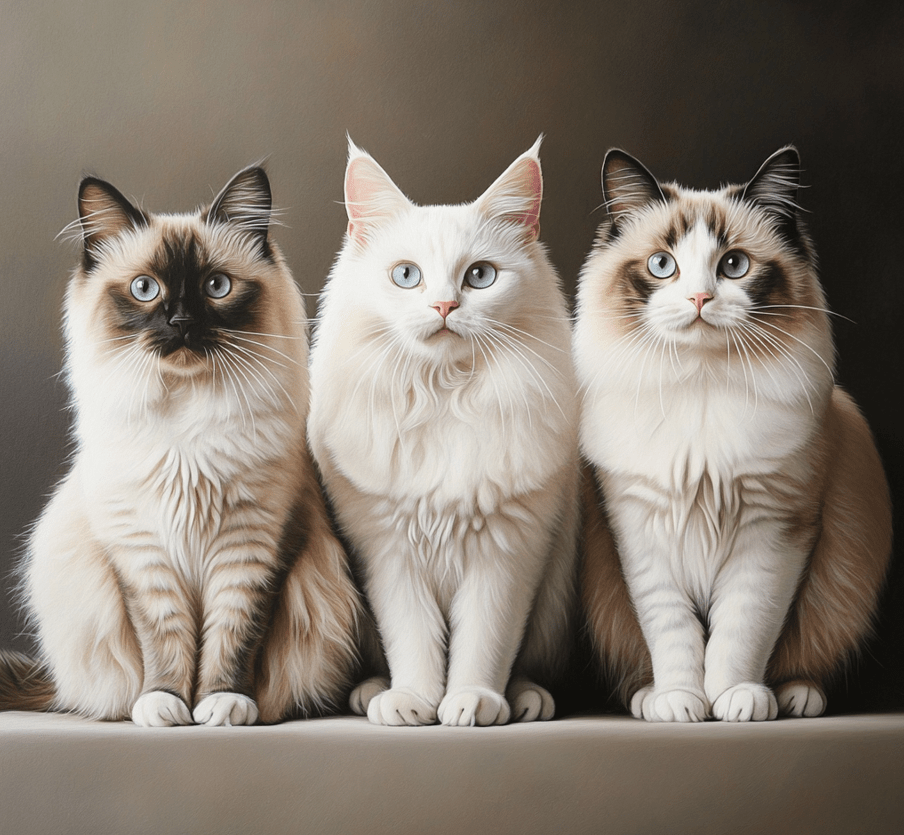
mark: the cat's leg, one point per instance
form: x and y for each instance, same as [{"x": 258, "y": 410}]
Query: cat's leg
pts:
[
  {"x": 838, "y": 593},
  {"x": 309, "y": 651},
  {"x": 667, "y": 617},
  {"x": 413, "y": 632},
  {"x": 547, "y": 640},
  {"x": 76, "y": 604},
  {"x": 236, "y": 599},
  {"x": 750, "y": 600},
  {"x": 503, "y": 566},
  {"x": 161, "y": 607}
]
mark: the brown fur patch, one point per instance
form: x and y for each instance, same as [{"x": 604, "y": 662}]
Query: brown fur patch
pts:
[
  {"x": 25, "y": 683},
  {"x": 836, "y": 600},
  {"x": 610, "y": 617},
  {"x": 308, "y": 657}
]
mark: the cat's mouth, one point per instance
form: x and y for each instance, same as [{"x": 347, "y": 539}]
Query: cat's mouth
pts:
[
  {"x": 184, "y": 360},
  {"x": 444, "y": 331}
]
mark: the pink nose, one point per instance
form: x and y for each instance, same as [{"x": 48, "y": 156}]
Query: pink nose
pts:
[
  {"x": 700, "y": 299},
  {"x": 444, "y": 308}
]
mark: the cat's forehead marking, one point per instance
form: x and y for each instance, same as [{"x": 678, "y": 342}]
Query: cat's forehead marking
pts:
[
  {"x": 178, "y": 259},
  {"x": 697, "y": 210}
]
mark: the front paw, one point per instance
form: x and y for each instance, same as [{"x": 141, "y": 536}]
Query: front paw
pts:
[
  {"x": 159, "y": 709},
  {"x": 474, "y": 706},
  {"x": 746, "y": 702},
  {"x": 800, "y": 698},
  {"x": 400, "y": 706},
  {"x": 669, "y": 705},
  {"x": 225, "y": 709},
  {"x": 363, "y": 694},
  {"x": 529, "y": 701}
]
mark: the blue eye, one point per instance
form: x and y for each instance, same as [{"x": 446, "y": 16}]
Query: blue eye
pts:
[
  {"x": 406, "y": 275},
  {"x": 661, "y": 265},
  {"x": 144, "y": 288},
  {"x": 734, "y": 264},
  {"x": 480, "y": 275},
  {"x": 217, "y": 286}
]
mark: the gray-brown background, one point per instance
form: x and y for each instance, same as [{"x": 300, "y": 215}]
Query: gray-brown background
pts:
[{"x": 168, "y": 99}]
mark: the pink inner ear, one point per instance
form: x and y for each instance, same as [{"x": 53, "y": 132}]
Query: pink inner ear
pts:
[
  {"x": 533, "y": 186},
  {"x": 359, "y": 189}
]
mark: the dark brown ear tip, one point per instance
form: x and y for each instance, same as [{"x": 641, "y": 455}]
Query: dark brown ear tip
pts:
[
  {"x": 96, "y": 183},
  {"x": 259, "y": 173},
  {"x": 256, "y": 172},
  {"x": 616, "y": 156},
  {"x": 788, "y": 151}
]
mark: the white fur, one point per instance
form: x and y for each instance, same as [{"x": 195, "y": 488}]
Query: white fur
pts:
[
  {"x": 451, "y": 458},
  {"x": 695, "y": 442}
]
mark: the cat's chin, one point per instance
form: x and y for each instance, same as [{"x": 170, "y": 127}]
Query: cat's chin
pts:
[
  {"x": 699, "y": 334},
  {"x": 446, "y": 344},
  {"x": 183, "y": 363}
]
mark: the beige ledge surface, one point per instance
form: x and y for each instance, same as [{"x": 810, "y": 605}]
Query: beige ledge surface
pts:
[{"x": 581, "y": 774}]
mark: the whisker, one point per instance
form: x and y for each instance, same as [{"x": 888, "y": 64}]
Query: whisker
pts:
[
  {"x": 514, "y": 349},
  {"x": 252, "y": 370},
  {"x": 512, "y": 328},
  {"x": 276, "y": 351},
  {"x": 762, "y": 308},
  {"x": 801, "y": 342}
]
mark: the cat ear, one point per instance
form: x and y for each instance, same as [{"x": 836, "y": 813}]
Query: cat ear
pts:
[
  {"x": 627, "y": 184},
  {"x": 103, "y": 213},
  {"x": 517, "y": 194},
  {"x": 370, "y": 194},
  {"x": 774, "y": 187},
  {"x": 245, "y": 203}
]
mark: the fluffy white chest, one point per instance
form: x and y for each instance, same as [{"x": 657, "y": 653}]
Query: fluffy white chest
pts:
[
  {"x": 672, "y": 435},
  {"x": 691, "y": 475},
  {"x": 168, "y": 484},
  {"x": 455, "y": 457}
]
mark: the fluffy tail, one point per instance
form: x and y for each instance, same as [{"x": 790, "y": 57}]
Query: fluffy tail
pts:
[{"x": 25, "y": 683}]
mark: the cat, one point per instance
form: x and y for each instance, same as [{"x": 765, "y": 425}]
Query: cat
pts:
[
  {"x": 740, "y": 487},
  {"x": 185, "y": 570},
  {"x": 444, "y": 422}
]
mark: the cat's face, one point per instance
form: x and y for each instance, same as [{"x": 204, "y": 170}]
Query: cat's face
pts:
[
  {"x": 442, "y": 283},
  {"x": 724, "y": 275},
  {"x": 179, "y": 294}
]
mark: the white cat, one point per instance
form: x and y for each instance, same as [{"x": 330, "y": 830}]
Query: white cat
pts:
[{"x": 444, "y": 421}]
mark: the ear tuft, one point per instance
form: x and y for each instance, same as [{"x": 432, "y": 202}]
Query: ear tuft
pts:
[
  {"x": 103, "y": 213},
  {"x": 245, "y": 203},
  {"x": 517, "y": 194},
  {"x": 627, "y": 184},
  {"x": 774, "y": 187},
  {"x": 370, "y": 194}
]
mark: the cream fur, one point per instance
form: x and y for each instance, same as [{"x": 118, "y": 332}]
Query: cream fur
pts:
[{"x": 151, "y": 574}]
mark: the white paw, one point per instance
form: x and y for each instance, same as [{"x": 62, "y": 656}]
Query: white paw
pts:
[
  {"x": 364, "y": 692},
  {"x": 746, "y": 702},
  {"x": 225, "y": 709},
  {"x": 529, "y": 702},
  {"x": 474, "y": 706},
  {"x": 400, "y": 706},
  {"x": 159, "y": 709},
  {"x": 669, "y": 705},
  {"x": 800, "y": 698}
]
